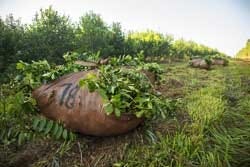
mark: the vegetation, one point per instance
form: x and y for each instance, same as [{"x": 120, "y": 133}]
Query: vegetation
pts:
[
  {"x": 123, "y": 91},
  {"x": 210, "y": 126},
  {"x": 217, "y": 130},
  {"x": 128, "y": 90},
  {"x": 244, "y": 52},
  {"x": 51, "y": 35},
  {"x": 19, "y": 116},
  {"x": 192, "y": 117},
  {"x": 182, "y": 48}
]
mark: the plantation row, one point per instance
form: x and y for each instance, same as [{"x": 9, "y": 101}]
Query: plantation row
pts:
[
  {"x": 51, "y": 35},
  {"x": 244, "y": 52}
]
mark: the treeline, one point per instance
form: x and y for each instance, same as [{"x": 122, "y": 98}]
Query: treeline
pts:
[
  {"x": 244, "y": 52},
  {"x": 50, "y": 35}
]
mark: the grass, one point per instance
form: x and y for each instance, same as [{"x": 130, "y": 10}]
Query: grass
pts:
[
  {"x": 204, "y": 107},
  {"x": 187, "y": 147},
  {"x": 211, "y": 128},
  {"x": 218, "y": 133}
]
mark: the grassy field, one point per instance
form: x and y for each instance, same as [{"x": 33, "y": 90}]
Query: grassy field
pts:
[{"x": 209, "y": 127}]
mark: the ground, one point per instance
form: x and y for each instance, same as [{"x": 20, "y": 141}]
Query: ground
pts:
[{"x": 209, "y": 127}]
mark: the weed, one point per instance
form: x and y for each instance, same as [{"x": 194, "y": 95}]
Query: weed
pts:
[{"x": 204, "y": 108}]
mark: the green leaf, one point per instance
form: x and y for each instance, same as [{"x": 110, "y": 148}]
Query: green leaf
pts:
[
  {"x": 48, "y": 127},
  {"x": 112, "y": 89},
  {"x": 82, "y": 83},
  {"x": 20, "y": 65},
  {"x": 117, "y": 164},
  {"x": 139, "y": 114},
  {"x": 163, "y": 115},
  {"x": 116, "y": 98},
  {"x": 55, "y": 129},
  {"x": 150, "y": 106},
  {"x": 91, "y": 76},
  {"x": 9, "y": 133},
  {"x": 3, "y": 131},
  {"x": 59, "y": 132},
  {"x": 103, "y": 94},
  {"x": 72, "y": 136},
  {"x": 65, "y": 134},
  {"x": 108, "y": 108},
  {"x": 53, "y": 76},
  {"x": 20, "y": 138},
  {"x": 132, "y": 88},
  {"x": 28, "y": 136},
  {"x": 35, "y": 123},
  {"x": 42, "y": 125},
  {"x": 117, "y": 112},
  {"x": 92, "y": 86}
]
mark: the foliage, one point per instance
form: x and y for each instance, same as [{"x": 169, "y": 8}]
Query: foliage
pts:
[
  {"x": 182, "y": 48},
  {"x": 31, "y": 74},
  {"x": 244, "y": 52},
  {"x": 90, "y": 57},
  {"x": 18, "y": 108},
  {"x": 208, "y": 60},
  {"x": 49, "y": 127},
  {"x": 138, "y": 98},
  {"x": 137, "y": 61},
  {"x": 152, "y": 43},
  {"x": 225, "y": 59},
  {"x": 117, "y": 40},
  {"x": 38, "y": 72},
  {"x": 11, "y": 35},
  {"x": 213, "y": 131},
  {"x": 126, "y": 91},
  {"x": 92, "y": 34},
  {"x": 18, "y": 113},
  {"x": 68, "y": 67},
  {"x": 155, "y": 69},
  {"x": 51, "y": 35},
  {"x": 15, "y": 111},
  {"x": 48, "y": 37},
  {"x": 128, "y": 60}
]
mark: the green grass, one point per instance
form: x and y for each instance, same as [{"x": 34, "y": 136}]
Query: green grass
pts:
[
  {"x": 211, "y": 127},
  {"x": 204, "y": 107},
  {"x": 218, "y": 133}
]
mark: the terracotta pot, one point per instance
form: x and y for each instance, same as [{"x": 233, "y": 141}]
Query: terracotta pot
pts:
[{"x": 63, "y": 100}]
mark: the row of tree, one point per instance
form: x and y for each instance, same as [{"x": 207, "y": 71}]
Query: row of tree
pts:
[
  {"x": 50, "y": 35},
  {"x": 244, "y": 52}
]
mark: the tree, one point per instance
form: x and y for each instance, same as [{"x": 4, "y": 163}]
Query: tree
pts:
[
  {"x": 92, "y": 34},
  {"x": 244, "y": 52},
  {"x": 48, "y": 37},
  {"x": 152, "y": 43},
  {"x": 117, "y": 40},
  {"x": 11, "y": 35},
  {"x": 182, "y": 48}
]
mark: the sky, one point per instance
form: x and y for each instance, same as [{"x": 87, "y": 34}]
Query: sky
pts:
[{"x": 221, "y": 24}]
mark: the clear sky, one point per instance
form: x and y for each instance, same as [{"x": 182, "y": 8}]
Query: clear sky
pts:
[{"x": 222, "y": 24}]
